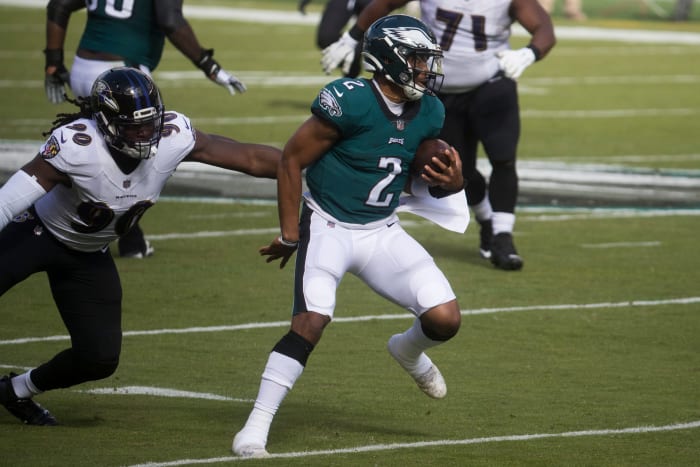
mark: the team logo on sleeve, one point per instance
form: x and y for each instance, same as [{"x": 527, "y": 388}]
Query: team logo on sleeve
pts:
[
  {"x": 329, "y": 104},
  {"x": 51, "y": 148}
]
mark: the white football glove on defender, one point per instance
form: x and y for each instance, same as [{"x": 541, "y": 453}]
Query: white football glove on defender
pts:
[
  {"x": 514, "y": 62},
  {"x": 214, "y": 72},
  {"x": 339, "y": 52}
]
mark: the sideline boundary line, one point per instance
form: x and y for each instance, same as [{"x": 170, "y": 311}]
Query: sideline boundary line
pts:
[
  {"x": 428, "y": 444},
  {"x": 354, "y": 319}
]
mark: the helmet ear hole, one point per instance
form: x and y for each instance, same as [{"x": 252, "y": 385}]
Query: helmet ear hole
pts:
[
  {"x": 126, "y": 97},
  {"x": 392, "y": 46}
]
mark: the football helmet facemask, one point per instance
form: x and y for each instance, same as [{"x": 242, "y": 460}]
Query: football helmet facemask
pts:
[
  {"x": 128, "y": 110},
  {"x": 405, "y": 51}
]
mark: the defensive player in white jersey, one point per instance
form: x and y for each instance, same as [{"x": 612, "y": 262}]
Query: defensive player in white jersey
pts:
[
  {"x": 357, "y": 147},
  {"x": 127, "y": 33},
  {"x": 480, "y": 97},
  {"x": 96, "y": 175}
]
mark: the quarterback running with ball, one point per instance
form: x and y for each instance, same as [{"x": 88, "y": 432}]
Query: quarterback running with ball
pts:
[{"x": 357, "y": 148}]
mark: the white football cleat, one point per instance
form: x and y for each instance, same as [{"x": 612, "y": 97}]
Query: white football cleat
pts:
[
  {"x": 431, "y": 382},
  {"x": 248, "y": 447}
]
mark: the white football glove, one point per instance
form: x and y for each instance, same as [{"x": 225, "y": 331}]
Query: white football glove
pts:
[
  {"x": 214, "y": 72},
  {"x": 340, "y": 52},
  {"x": 57, "y": 82},
  {"x": 226, "y": 79},
  {"x": 56, "y": 85},
  {"x": 514, "y": 62}
]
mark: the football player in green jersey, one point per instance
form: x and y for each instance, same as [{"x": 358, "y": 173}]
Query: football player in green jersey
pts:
[
  {"x": 127, "y": 33},
  {"x": 357, "y": 148}
]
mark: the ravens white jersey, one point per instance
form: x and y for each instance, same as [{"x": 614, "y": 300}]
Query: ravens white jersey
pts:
[
  {"x": 103, "y": 202},
  {"x": 470, "y": 33}
]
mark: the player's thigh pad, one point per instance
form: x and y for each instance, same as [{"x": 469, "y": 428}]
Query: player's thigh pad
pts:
[
  {"x": 327, "y": 259},
  {"x": 402, "y": 271}
]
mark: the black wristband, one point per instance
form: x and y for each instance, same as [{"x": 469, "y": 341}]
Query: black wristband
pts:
[
  {"x": 356, "y": 33},
  {"x": 536, "y": 51},
  {"x": 54, "y": 57},
  {"x": 207, "y": 64}
]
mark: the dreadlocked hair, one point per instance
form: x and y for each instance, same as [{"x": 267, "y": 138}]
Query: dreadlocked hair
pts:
[{"x": 65, "y": 118}]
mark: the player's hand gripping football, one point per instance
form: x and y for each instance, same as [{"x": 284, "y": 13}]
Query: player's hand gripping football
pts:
[
  {"x": 445, "y": 173},
  {"x": 57, "y": 77},
  {"x": 279, "y": 248},
  {"x": 339, "y": 53},
  {"x": 214, "y": 72}
]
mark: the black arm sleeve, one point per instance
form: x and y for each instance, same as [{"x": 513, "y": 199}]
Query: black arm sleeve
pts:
[
  {"x": 169, "y": 15},
  {"x": 59, "y": 11}
]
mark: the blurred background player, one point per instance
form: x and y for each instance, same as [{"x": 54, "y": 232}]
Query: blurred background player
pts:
[
  {"x": 366, "y": 132},
  {"x": 335, "y": 17},
  {"x": 60, "y": 211},
  {"x": 480, "y": 97},
  {"x": 129, "y": 33}
]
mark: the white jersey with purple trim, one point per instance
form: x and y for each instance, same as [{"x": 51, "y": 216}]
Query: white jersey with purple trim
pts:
[
  {"x": 470, "y": 33},
  {"x": 103, "y": 202}
]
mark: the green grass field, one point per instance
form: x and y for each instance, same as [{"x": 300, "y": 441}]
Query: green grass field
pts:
[{"x": 589, "y": 356}]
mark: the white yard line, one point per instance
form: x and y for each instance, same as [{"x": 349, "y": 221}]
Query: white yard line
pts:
[
  {"x": 437, "y": 443},
  {"x": 160, "y": 392},
  {"x": 383, "y": 317}
]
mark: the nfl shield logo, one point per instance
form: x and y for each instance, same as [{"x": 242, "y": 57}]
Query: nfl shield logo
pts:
[
  {"x": 400, "y": 124},
  {"x": 126, "y": 184}
]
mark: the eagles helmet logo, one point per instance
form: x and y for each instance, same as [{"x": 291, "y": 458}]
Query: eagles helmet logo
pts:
[
  {"x": 329, "y": 104},
  {"x": 414, "y": 37}
]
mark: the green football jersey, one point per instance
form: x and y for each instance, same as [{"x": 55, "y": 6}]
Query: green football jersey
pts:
[
  {"x": 359, "y": 180},
  {"x": 126, "y": 28}
]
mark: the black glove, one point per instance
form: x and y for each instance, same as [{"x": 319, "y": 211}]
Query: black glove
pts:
[{"x": 55, "y": 83}]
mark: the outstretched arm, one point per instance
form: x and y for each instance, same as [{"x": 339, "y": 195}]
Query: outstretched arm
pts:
[
  {"x": 258, "y": 160},
  {"x": 170, "y": 19}
]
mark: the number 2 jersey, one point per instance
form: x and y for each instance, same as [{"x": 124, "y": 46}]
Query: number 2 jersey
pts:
[
  {"x": 470, "y": 33},
  {"x": 360, "y": 178},
  {"x": 103, "y": 203}
]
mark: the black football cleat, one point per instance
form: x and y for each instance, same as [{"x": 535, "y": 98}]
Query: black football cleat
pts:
[
  {"x": 26, "y": 410},
  {"x": 485, "y": 238},
  {"x": 503, "y": 254}
]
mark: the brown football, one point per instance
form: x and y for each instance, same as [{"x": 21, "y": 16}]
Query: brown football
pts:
[{"x": 425, "y": 152}]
